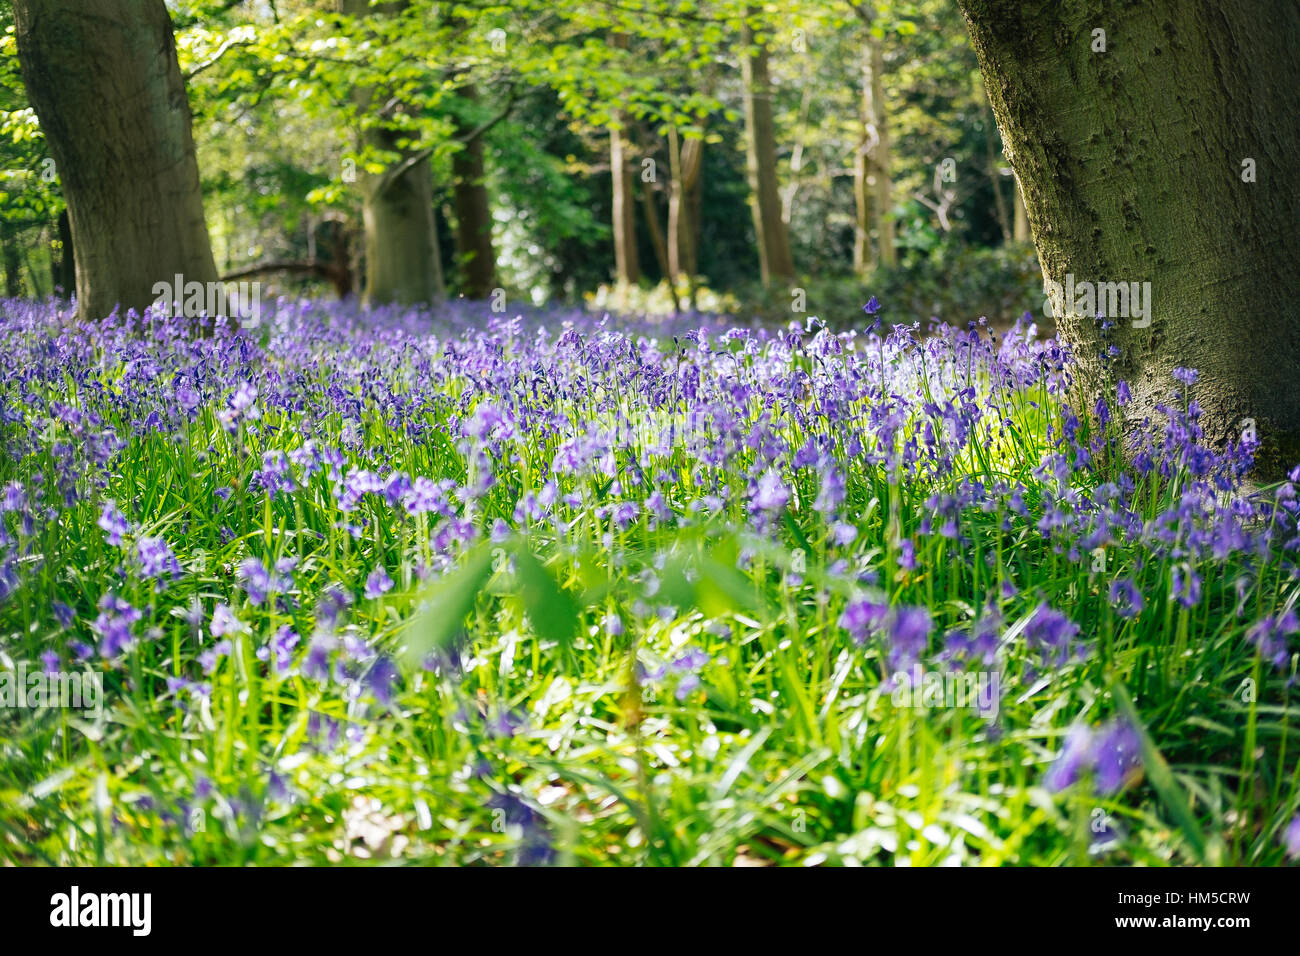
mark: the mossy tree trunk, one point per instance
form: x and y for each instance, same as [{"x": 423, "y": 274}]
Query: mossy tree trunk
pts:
[
  {"x": 1134, "y": 161},
  {"x": 403, "y": 260},
  {"x": 104, "y": 80}
]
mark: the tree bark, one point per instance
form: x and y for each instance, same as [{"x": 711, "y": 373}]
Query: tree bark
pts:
[
  {"x": 775, "y": 261},
  {"x": 66, "y": 283},
  {"x": 627, "y": 268},
  {"x": 1020, "y": 228},
  {"x": 403, "y": 260},
  {"x": 992, "y": 147},
  {"x": 1131, "y": 162},
  {"x": 881, "y": 157},
  {"x": 103, "y": 78},
  {"x": 13, "y": 268},
  {"x": 478, "y": 261},
  {"x": 862, "y": 181},
  {"x": 685, "y": 159}
]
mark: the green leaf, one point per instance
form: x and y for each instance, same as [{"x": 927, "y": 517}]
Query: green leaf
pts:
[
  {"x": 1162, "y": 779},
  {"x": 551, "y": 609},
  {"x": 447, "y": 604}
]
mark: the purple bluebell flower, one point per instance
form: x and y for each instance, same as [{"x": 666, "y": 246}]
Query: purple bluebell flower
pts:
[
  {"x": 224, "y": 621},
  {"x": 382, "y": 679},
  {"x": 863, "y": 617},
  {"x": 114, "y": 625},
  {"x": 209, "y": 657},
  {"x": 64, "y": 614},
  {"x": 770, "y": 493},
  {"x": 155, "y": 558},
  {"x": 113, "y": 523},
  {"x": 279, "y": 649},
  {"x": 1269, "y": 636},
  {"x": 1291, "y": 838},
  {"x": 1074, "y": 758},
  {"x": 1125, "y": 598},
  {"x": 1051, "y": 636},
  {"x": 378, "y": 583},
  {"x": 1116, "y": 756}
]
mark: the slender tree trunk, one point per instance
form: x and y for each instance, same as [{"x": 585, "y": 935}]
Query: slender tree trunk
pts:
[
  {"x": 685, "y": 160},
  {"x": 1020, "y": 230},
  {"x": 66, "y": 284},
  {"x": 1136, "y": 165},
  {"x": 403, "y": 260},
  {"x": 478, "y": 260},
  {"x": 657, "y": 241},
  {"x": 993, "y": 152},
  {"x": 13, "y": 268},
  {"x": 104, "y": 80},
  {"x": 627, "y": 268},
  {"x": 775, "y": 261},
  {"x": 881, "y": 158},
  {"x": 862, "y": 183}
]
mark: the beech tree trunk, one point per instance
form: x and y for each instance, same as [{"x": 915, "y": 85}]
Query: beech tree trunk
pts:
[
  {"x": 881, "y": 157},
  {"x": 478, "y": 262},
  {"x": 863, "y": 179},
  {"x": 66, "y": 283},
  {"x": 103, "y": 78},
  {"x": 775, "y": 261},
  {"x": 685, "y": 159},
  {"x": 1136, "y": 164},
  {"x": 13, "y": 268},
  {"x": 627, "y": 268},
  {"x": 1020, "y": 229},
  {"x": 403, "y": 261}
]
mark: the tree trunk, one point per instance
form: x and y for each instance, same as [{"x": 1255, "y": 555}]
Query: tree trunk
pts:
[
  {"x": 66, "y": 284},
  {"x": 993, "y": 152},
  {"x": 774, "y": 257},
  {"x": 13, "y": 268},
  {"x": 403, "y": 261},
  {"x": 627, "y": 269},
  {"x": 1020, "y": 230},
  {"x": 1135, "y": 165},
  {"x": 685, "y": 159},
  {"x": 883, "y": 194},
  {"x": 474, "y": 250},
  {"x": 862, "y": 183},
  {"x": 103, "y": 78}
]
